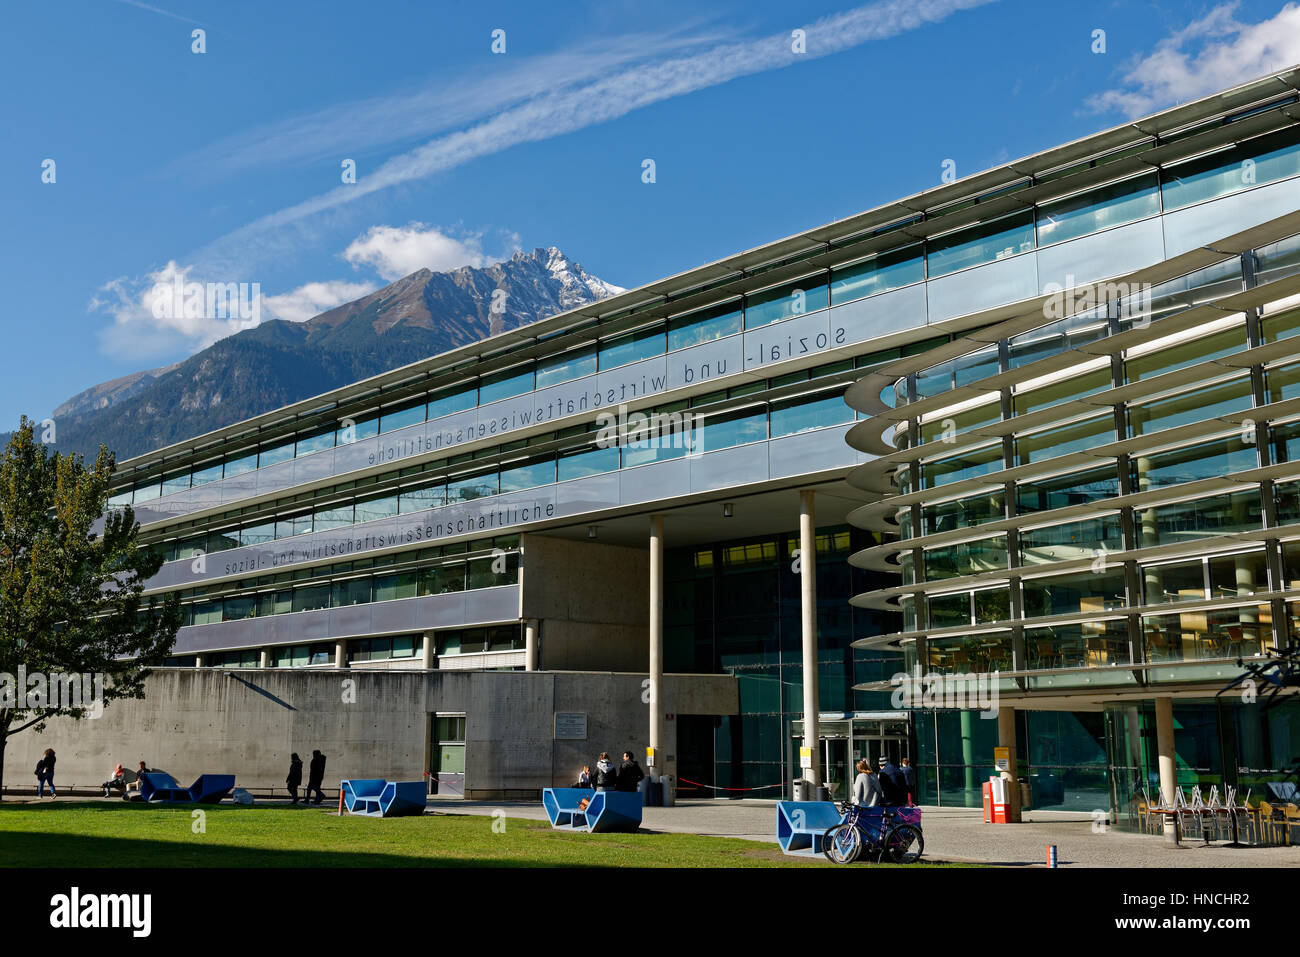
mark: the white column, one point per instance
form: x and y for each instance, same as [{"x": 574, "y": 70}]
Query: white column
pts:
[
  {"x": 531, "y": 651},
  {"x": 265, "y": 660},
  {"x": 808, "y": 608},
  {"x": 341, "y": 653},
  {"x": 427, "y": 650},
  {"x": 1167, "y": 761},
  {"x": 1007, "y": 739},
  {"x": 198, "y": 661},
  {"x": 657, "y": 643}
]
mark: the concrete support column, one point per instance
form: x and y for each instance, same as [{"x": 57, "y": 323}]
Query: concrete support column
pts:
[
  {"x": 532, "y": 653},
  {"x": 1007, "y": 739},
  {"x": 1167, "y": 762},
  {"x": 428, "y": 649},
  {"x": 657, "y": 644},
  {"x": 265, "y": 660},
  {"x": 971, "y": 779},
  {"x": 341, "y": 653},
  {"x": 808, "y": 613},
  {"x": 198, "y": 661}
]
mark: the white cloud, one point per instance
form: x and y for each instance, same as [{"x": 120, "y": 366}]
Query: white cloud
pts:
[
  {"x": 1212, "y": 53},
  {"x": 176, "y": 308},
  {"x": 313, "y": 298},
  {"x": 397, "y": 251}
]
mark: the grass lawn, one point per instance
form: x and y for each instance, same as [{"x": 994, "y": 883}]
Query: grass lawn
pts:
[{"x": 118, "y": 834}]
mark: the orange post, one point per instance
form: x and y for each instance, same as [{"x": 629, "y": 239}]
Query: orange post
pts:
[{"x": 340, "y": 814}]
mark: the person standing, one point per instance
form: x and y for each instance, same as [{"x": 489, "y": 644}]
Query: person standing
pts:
[
  {"x": 295, "y": 777},
  {"x": 584, "y": 779},
  {"x": 909, "y": 780},
  {"x": 629, "y": 773},
  {"x": 45, "y": 774},
  {"x": 891, "y": 783},
  {"x": 866, "y": 786},
  {"x": 316, "y": 775},
  {"x": 606, "y": 777}
]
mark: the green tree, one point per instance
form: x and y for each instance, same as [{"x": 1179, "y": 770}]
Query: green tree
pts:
[{"x": 72, "y": 575}]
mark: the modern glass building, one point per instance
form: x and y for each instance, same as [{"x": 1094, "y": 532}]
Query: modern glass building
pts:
[{"x": 1063, "y": 457}]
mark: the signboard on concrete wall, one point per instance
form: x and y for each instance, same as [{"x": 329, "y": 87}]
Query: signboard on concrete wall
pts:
[{"x": 570, "y": 726}]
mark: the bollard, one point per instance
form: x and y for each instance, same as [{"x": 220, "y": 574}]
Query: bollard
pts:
[
  {"x": 340, "y": 814},
  {"x": 1051, "y": 855}
]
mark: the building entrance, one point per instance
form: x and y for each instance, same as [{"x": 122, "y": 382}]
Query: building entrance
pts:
[{"x": 844, "y": 740}]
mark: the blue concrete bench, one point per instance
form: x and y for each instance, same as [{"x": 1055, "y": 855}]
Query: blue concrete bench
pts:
[
  {"x": 605, "y": 810},
  {"x": 376, "y": 797},
  {"x": 161, "y": 788},
  {"x": 801, "y": 825}
]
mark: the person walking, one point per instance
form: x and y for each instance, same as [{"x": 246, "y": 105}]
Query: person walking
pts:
[
  {"x": 629, "y": 773},
  {"x": 606, "y": 776},
  {"x": 295, "y": 777},
  {"x": 316, "y": 775},
  {"x": 909, "y": 780},
  {"x": 892, "y": 785},
  {"x": 45, "y": 774},
  {"x": 866, "y": 786}
]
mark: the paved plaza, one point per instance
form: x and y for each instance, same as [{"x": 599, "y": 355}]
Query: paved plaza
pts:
[{"x": 951, "y": 834}]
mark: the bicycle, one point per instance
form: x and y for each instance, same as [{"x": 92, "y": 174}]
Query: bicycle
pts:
[{"x": 884, "y": 834}]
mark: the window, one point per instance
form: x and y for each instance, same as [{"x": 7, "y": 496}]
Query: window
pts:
[
  {"x": 419, "y": 499},
  {"x": 239, "y": 608},
  {"x": 293, "y": 525},
  {"x": 494, "y": 570},
  {"x": 241, "y": 464},
  {"x": 805, "y": 412},
  {"x": 373, "y": 509},
  {"x": 1098, "y": 209},
  {"x": 1078, "y": 593},
  {"x": 966, "y": 558},
  {"x": 1065, "y": 439},
  {"x": 1169, "y": 356},
  {"x": 208, "y": 473},
  {"x": 442, "y": 579},
  {"x": 449, "y": 403},
  {"x": 1199, "y": 518},
  {"x": 885, "y": 271},
  {"x": 1070, "y": 541},
  {"x": 528, "y": 474},
  {"x": 1261, "y": 160},
  {"x": 503, "y": 385},
  {"x": 1201, "y": 461},
  {"x": 966, "y": 465},
  {"x": 315, "y": 443},
  {"x": 176, "y": 482},
  {"x": 786, "y": 301},
  {"x": 1199, "y": 405},
  {"x": 471, "y": 487},
  {"x": 704, "y": 325},
  {"x": 983, "y": 243},
  {"x": 353, "y": 591},
  {"x": 401, "y": 416},
  {"x": 588, "y": 461},
  {"x": 632, "y": 347},
  {"x": 1057, "y": 337},
  {"x": 274, "y": 454},
  {"x": 311, "y": 598},
  {"x": 1062, "y": 491},
  {"x": 364, "y": 428},
  {"x": 336, "y": 516},
  {"x": 568, "y": 365},
  {"x": 733, "y": 428},
  {"x": 964, "y": 512},
  {"x": 393, "y": 587}
]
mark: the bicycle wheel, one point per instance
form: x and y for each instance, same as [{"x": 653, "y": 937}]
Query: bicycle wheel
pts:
[
  {"x": 842, "y": 844},
  {"x": 904, "y": 844}
]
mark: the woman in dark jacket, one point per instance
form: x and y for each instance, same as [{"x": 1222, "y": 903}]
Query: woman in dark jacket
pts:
[
  {"x": 45, "y": 774},
  {"x": 295, "y": 777}
]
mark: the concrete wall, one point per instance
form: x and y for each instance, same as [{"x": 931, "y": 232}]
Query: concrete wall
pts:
[
  {"x": 248, "y": 722},
  {"x": 593, "y": 602}
]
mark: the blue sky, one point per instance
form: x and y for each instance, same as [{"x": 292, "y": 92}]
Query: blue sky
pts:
[{"x": 225, "y": 166}]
